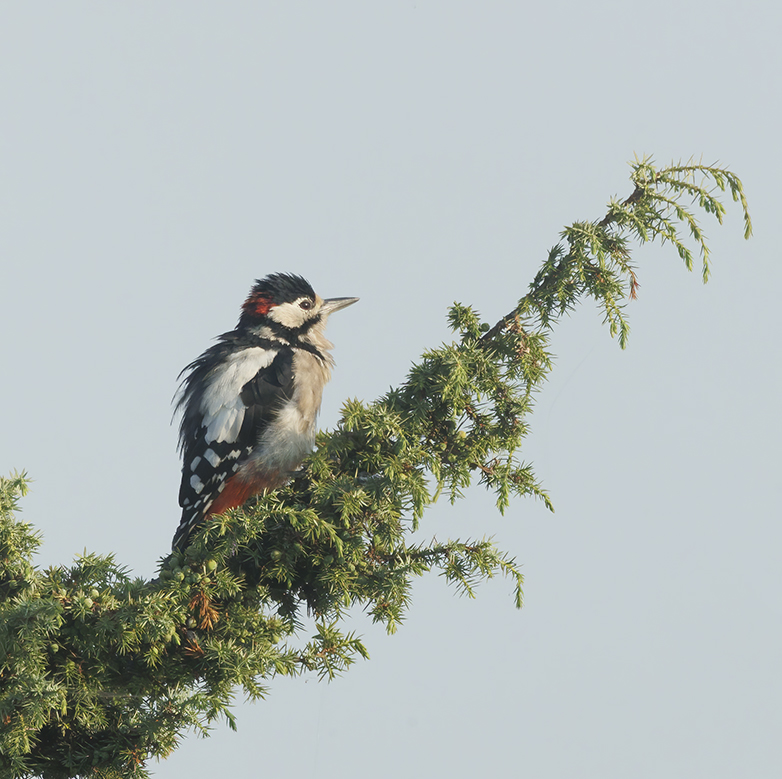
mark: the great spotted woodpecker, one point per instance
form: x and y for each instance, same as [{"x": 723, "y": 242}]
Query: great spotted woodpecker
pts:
[{"x": 249, "y": 403}]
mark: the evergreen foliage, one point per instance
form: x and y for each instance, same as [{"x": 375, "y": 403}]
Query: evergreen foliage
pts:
[{"x": 99, "y": 672}]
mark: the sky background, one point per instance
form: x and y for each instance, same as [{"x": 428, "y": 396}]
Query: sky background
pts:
[{"x": 157, "y": 157}]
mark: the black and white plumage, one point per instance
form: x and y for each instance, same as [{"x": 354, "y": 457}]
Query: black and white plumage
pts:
[{"x": 250, "y": 402}]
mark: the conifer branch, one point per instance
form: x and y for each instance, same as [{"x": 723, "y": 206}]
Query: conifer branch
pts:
[{"x": 100, "y": 672}]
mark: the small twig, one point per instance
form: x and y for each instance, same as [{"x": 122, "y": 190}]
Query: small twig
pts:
[{"x": 610, "y": 217}]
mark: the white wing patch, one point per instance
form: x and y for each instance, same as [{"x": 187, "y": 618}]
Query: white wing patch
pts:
[
  {"x": 212, "y": 458},
  {"x": 221, "y": 405}
]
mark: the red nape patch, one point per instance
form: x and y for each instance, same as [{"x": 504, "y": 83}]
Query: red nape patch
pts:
[
  {"x": 257, "y": 305},
  {"x": 235, "y": 493}
]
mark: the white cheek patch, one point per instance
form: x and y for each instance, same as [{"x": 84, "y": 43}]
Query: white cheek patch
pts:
[{"x": 292, "y": 315}]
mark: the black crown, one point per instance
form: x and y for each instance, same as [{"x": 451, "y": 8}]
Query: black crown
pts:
[{"x": 282, "y": 288}]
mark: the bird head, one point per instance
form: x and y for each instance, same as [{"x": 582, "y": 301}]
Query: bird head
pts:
[{"x": 287, "y": 302}]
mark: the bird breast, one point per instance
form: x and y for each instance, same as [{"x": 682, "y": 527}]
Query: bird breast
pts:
[{"x": 290, "y": 437}]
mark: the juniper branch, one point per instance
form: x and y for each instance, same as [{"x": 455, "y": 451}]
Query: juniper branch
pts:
[{"x": 100, "y": 672}]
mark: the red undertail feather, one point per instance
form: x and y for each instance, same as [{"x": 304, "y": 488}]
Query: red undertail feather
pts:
[{"x": 237, "y": 490}]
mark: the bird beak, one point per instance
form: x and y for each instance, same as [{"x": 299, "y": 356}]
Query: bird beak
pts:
[{"x": 335, "y": 304}]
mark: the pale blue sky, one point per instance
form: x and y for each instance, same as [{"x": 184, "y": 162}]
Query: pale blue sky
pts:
[{"x": 156, "y": 157}]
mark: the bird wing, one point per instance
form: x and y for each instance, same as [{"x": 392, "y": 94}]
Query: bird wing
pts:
[{"x": 234, "y": 404}]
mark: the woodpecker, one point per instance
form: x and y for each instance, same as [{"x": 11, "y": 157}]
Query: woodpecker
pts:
[{"x": 249, "y": 403}]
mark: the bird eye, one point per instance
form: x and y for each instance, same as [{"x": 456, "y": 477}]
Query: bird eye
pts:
[{"x": 306, "y": 304}]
